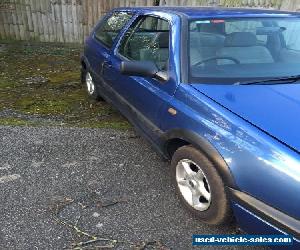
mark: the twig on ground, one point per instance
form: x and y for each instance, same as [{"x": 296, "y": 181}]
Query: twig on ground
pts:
[
  {"x": 89, "y": 242},
  {"x": 92, "y": 239},
  {"x": 75, "y": 228}
]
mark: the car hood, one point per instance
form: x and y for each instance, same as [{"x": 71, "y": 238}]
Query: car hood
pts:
[{"x": 275, "y": 109}]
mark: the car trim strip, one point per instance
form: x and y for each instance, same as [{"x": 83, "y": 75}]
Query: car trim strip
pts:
[{"x": 279, "y": 219}]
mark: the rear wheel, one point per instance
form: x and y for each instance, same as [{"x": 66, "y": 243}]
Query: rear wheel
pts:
[
  {"x": 199, "y": 186},
  {"x": 91, "y": 87}
]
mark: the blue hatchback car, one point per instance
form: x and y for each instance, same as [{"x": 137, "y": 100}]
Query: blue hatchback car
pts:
[{"x": 217, "y": 92}]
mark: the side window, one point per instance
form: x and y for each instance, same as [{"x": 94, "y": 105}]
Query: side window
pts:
[
  {"x": 147, "y": 40},
  {"x": 290, "y": 34},
  {"x": 109, "y": 29}
]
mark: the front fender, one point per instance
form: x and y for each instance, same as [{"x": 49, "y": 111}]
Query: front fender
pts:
[
  {"x": 203, "y": 145},
  {"x": 260, "y": 165}
]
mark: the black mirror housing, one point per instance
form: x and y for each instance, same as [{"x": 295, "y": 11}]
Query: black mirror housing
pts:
[{"x": 139, "y": 68}]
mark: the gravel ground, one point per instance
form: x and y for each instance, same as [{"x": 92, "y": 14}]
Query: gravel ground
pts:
[{"x": 108, "y": 183}]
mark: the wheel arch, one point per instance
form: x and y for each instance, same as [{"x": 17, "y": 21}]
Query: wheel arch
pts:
[
  {"x": 83, "y": 65},
  {"x": 180, "y": 137},
  {"x": 84, "y": 62}
]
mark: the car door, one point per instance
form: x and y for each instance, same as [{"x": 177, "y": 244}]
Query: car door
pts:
[
  {"x": 147, "y": 39},
  {"x": 99, "y": 44}
]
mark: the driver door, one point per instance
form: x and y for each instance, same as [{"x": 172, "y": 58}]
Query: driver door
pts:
[{"x": 147, "y": 39}]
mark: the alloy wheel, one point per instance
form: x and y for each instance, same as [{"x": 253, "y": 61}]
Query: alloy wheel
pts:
[
  {"x": 89, "y": 83},
  {"x": 193, "y": 185}
]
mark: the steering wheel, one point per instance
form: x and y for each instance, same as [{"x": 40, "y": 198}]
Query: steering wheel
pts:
[{"x": 218, "y": 57}]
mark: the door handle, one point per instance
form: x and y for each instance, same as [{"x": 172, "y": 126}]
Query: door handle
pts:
[{"x": 107, "y": 64}]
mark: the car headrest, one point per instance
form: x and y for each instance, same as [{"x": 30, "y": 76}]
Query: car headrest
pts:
[
  {"x": 204, "y": 39},
  {"x": 162, "y": 39},
  {"x": 240, "y": 39},
  {"x": 215, "y": 28}
]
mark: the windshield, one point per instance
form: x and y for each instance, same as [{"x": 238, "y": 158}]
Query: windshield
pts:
[{"x": 243, "y": 49}]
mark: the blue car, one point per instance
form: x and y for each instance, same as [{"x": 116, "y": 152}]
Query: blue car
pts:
[{"x": 216, "y": 92}]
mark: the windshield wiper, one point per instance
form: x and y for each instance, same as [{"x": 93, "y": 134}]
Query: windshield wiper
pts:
[{"x": 288, "y": 79}]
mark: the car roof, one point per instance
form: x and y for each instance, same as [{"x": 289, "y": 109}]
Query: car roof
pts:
[{"x": 194, "y": 12}]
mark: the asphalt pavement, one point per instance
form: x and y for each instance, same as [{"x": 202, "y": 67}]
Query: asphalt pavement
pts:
[{"x": 62, "y": 188}]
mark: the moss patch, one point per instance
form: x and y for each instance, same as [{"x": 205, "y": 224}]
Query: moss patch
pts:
[
  {"x": 44, "y": 80},
  {"x": 14, "y": 122}
]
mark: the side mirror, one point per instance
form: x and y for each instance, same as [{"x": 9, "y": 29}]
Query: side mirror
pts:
[
  {"x": 142, "y": 68},
  {"x": 138, "y": 68}
]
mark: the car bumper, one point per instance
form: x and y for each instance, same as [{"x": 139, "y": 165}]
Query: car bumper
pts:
[{"x": 255, "y": 217}]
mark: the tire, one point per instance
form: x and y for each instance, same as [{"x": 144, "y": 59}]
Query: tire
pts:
[
  {"x": 91, "y": 87},
  {"x": 200, "y": 187}
]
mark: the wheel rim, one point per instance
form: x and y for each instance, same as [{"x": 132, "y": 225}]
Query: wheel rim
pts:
[
  {"x": 193, "y": 185},
  {"x": 89, "y": 83}
]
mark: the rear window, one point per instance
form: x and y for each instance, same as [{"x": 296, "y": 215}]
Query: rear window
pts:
[
  {"x": 110, "y": 28},
  {"x": 251, "y": 26}
]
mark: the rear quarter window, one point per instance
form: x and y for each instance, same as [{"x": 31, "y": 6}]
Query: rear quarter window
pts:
[{"x": 108, "y": 30}]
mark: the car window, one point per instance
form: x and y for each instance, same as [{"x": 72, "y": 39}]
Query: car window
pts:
[
  {"x": 147, "y": 40},
  {"x": 110, "y": 28},
  {"x": 251, "y": 26},
  {"x": 291, "y": 34},
  {"x": 243, "y": 49}
]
